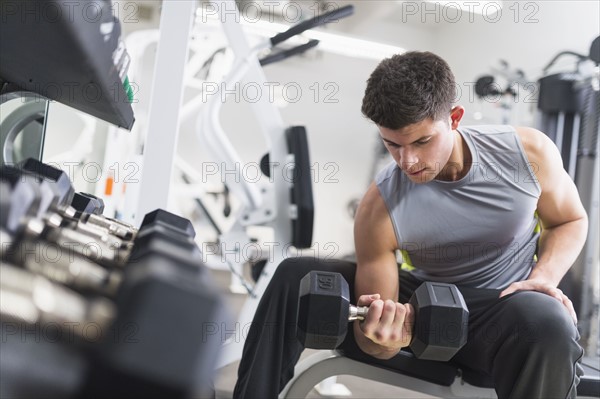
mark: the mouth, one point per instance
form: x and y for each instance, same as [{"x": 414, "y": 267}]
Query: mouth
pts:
[{"x": 417, "y": 173}]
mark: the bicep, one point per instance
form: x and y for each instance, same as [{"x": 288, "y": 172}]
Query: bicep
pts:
[
  {"x": 375, "y": 244},
  {"x": 559, "y": 200}
]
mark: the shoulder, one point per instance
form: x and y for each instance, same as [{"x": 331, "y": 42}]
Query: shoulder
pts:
[
  {"x": 541, "y": 152},
  {"x": 535, "y": 143},
  {"x": 538, "y": 147}
]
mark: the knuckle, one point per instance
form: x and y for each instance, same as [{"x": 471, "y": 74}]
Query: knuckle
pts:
[
  {"x": 378, "y": 303},
  {"x": 568, "y": 301},
  {"x": 380, "y": 336},
  {"x": 389, "y": 305},
  {"x": 401, "y": 310}
]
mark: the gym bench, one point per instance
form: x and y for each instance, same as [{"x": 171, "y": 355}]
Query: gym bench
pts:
[{"x": 434, "y": 378}]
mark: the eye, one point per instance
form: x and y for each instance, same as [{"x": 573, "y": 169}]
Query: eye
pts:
[
  {"x": 421, "y": 142},
  {"x": 393, "y": 145}
]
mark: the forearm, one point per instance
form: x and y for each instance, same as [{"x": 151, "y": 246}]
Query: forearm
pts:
[
  {"x": 370, "y": 347},
  {"x": 559, "y": 247}
]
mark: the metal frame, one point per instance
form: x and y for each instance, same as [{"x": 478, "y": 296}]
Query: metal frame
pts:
[
  {"x": 323, "y": 364},
  {"x": 266, "y": 205},
  {"x": 165, "y": 104}
]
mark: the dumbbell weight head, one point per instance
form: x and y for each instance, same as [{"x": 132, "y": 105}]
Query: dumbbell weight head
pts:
[
  {"x": 20, "y": 198},
  {"x": 57, "y": 180},
  {"x": 441, "y": 320},
  {"x": 168, "y": 328},
  {"x": 323, "y": 310},
  {"x": 159, "y": 240},
  {"x": 87, "y": 204},
  {"x": 168, "y": 220}
]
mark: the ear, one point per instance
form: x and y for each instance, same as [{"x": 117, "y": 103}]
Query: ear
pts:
[{"x": 456, "y": 114}]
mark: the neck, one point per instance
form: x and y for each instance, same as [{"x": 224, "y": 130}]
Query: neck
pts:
[{"x": 459, "y": 162}]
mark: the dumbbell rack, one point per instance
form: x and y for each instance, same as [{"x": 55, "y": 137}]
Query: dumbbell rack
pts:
[{"x": 121, "y": 312}]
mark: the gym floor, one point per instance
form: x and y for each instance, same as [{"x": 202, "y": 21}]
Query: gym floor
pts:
[{"x": 360, "y": 388}]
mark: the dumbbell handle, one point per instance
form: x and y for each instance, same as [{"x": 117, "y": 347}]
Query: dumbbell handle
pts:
[{"x": 357, "y": 312}]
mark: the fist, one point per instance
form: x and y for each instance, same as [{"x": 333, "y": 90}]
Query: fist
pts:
[{"x": 388, "y": 323}]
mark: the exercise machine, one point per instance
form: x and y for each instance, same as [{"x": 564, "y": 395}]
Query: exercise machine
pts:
[
  {"x": 569, "y": 113},
  {"x": 281, "y": 203}
]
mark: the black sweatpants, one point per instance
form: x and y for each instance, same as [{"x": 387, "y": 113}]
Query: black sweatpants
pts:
[{"x": 526, "y": 341}]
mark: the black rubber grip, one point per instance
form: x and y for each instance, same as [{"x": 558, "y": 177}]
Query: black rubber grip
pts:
[
  {"x": 282, "y": 55},
  {"x": 312, "y": 23}
]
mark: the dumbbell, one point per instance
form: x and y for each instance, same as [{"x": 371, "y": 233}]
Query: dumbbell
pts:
[
  {"x": 89, "y": 209},
  {"x": 175, "y": 223},
  {"x": 87, "y": 204},
  {"x": 23, "y": 241},
  {"x": 324, "y": 310},
  {"x": 54, "y": 193},
  {"x": 82, "y": 272},
  {"x": 57, "y": 190},
  {"x": 167, "y": 315},
  {"x": 154, "y": 241},
  {"x": 21, "y": 199},
  {"x": 61, "y": 199},
  {"x": 29, "y": 298},
  {"x": 159, "y": 240}
]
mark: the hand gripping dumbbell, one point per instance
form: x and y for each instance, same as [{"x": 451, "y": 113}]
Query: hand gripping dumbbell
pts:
[{"x": 324, "y": 310}]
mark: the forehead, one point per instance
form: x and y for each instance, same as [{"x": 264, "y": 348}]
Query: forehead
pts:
[{"x": 412, "y": 132}]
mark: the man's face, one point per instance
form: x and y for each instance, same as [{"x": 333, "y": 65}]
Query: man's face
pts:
[{"x": 422, "y": 149}]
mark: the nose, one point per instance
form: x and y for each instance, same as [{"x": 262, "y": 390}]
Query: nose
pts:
[{"x": 408, "y": 158}]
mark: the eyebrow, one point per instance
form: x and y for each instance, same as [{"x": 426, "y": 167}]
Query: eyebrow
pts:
[{"x": 419, "y": 139}]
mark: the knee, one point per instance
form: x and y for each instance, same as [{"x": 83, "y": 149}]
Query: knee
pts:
[
  {"x": 291, "y": 270},
  {"x": 539, "y": 319}
]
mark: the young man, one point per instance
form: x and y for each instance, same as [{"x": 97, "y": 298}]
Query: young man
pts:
[{"x": 464, "y": 204}]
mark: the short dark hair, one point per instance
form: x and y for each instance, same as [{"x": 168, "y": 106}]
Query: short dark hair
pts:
[{"x": 409, "y": 88}]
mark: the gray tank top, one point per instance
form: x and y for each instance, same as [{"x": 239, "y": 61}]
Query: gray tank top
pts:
[{"x": 480, "y": 231}]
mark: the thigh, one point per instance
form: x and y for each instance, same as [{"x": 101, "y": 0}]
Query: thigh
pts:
[
  {"x": 518, "y": 320},
  {"x": 292, "y": 270}
]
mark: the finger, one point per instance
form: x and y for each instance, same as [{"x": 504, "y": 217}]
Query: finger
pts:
[
  {"x": 388, "y": 314},
  {"x": 374, "y": 313},
  {"x": 554, "y": 292},
  {"x": 366, "y": 300},
  {"x": 514, "y": 287},
  {"x": 404, "y": 318},
  {"x": 531, "y": 285},
  {"x": 371, "y": 323},
  {"x": 558, "y": 294},
  {"x": 569, "y": 305},
  {"x": 410, "y": 314}
]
